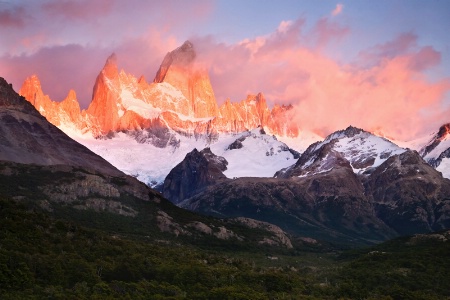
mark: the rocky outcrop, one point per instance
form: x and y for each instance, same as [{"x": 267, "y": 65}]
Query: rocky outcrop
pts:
[
  {"x": 329, "y": 206},
  {"x": 180, "y": 70},
  {"x": 438, "y": 149},
  {"x": 196, "y": 172},
  {"x": 279, "y": 238},
  {"x": 166, "y": 224},
  {"x": 66, "y": 113},
  {"x": 442, "y": 133},
  {"x": 103, "y": 107},
  {"x": 409, "y": 195}
]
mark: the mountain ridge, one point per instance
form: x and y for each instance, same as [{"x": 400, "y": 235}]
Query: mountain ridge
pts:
[
  {"x": 180, "y": 95},
  {"x": 352, "y": 186}
]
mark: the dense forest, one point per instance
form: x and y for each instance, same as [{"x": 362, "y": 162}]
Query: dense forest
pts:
[{"x": 42, "y": 256}]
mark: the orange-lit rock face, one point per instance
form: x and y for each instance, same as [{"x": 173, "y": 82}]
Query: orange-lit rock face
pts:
[
  {"x": 247, "y": 114},
  {"x": 444, "y": 131},
  {"x": 32, "y": 91},
  {"x": 57, "y": 113},
  {"x": 180, "y": 71},
  {"x": 281, "y": 121},
  {"x": 103, "y": 107},
  {"x": 180, "y": 98}
]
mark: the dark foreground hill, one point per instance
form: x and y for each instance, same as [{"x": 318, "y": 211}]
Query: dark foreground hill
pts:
[{"x": 47, "y": 258}]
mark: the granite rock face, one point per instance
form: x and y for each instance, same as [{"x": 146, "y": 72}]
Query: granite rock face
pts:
[{"x": 196, "y": 172}]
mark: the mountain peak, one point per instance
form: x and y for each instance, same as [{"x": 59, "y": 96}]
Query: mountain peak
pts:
[
  {"x": 71, "y": 96},
  {"x": 437, "y": 148},
  {"x": 7, "y": 94},
  {"x": 142, "y": 80},
  {"x": 29, "y": 138},
  {"x": 444, "y": 130},
  {"x": 181, "y": 57},
  {"x": 187, "y": 45},
  {"x": 352, "y": 130},
  {"x": 260, "y": 97},
  {"x": 110, "y": 69},
  {"x": 349, "y": 132},
  {"x": 33, "y": 80},
  {"x": 5, "y": 84}
]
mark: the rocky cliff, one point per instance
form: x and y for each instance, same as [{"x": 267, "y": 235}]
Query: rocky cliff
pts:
[{"x": 196, "y": 172}]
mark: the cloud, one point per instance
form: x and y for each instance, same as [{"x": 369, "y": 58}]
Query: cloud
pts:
[
  {"x": 425, "y": 58},
  {"x": 400, "y": 45},
  {"x": 326, "y": 31},
  {"x": 14, "y": 17},
  {"x": 337, "y": 10},
  {"x": 387, "y": 93},
  {"x": 82, "y": 10},
  {"x": 99, "y": 23},
  {"x": 58, "y": 69}
]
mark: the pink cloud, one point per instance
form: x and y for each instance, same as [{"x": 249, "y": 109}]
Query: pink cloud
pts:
[
  {"x": 402, "y": 44},
  {"x": 424, "y": 59},
  {"x": 58, "y": 69},
  {"x": 337, "y": 10},
  {"x": 15, "y": 17},
  {"x": 326, "y": 31},
  {"x": 82, "y": 10},
  {"x": 387, "y": 93}
]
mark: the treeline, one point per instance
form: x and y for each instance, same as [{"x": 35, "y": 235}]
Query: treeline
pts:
[{"x": 45, "y": 258}]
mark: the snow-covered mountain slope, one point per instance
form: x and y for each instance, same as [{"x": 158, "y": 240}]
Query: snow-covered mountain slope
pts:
[
  {"x": 146, "y": 162},
  {"x": 363, "y": 151},
  {"x": 436, "y": 151},
  {"x": 253, "y": 154},
  {"x": 259, "y": 154},
  {"x": 444, "y": 167}
]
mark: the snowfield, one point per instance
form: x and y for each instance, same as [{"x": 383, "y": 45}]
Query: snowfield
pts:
[{"x": 261, "y": 155}]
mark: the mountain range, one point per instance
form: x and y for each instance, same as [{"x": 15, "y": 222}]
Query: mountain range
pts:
[
  {"x": 242, "y": 159},
  {"x": 352, "y": 186}
]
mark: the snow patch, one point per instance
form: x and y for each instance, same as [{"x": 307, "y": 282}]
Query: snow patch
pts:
[
  {"x": 261, "y": 155},
  {"x": 444, "y": 167},
  {"x": 138, "y": 106}
]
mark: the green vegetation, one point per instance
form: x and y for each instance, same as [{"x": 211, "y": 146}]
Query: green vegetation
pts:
[
  {"x": 61, "y": 252},
  {"x": 43, "y": 257}
]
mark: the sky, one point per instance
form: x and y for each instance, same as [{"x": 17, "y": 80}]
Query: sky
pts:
[{"x": 382, "y": 65}]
